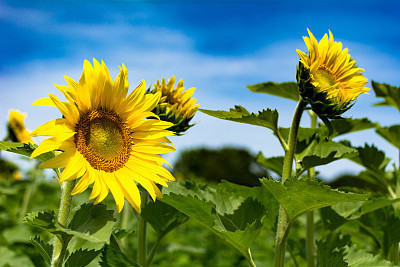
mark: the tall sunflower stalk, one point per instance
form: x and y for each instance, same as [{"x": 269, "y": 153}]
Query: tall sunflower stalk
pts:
[{"x": 329, "y": 82}]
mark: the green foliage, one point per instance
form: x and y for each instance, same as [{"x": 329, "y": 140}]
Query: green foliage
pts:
[
  {"x": 300, "y": 196},
  {"x": 287, "y": 90},
  {"x": 26, "y": 150},
  {"x": 90, "y": 228},
  {"x": 350, "y": 125},
  {"x": 236, "y": 220},
  {"x": 359, "y": 258},
  {"x": 390, "y": 134},
  {"x": 274, "y": 164},
  {"x": 12, "y": 258},
  {"x": 112, "y": 255},
  {"x": 266, "y": 118},
  {"x": 390, "y": 94},
  {"x": 81, "y": 258},
  {"x": 372, "y": 159},
  {"x": 320, "y": 152},
  {"x": 44, "y": 249},
  {"x": 162, "y": 217}
]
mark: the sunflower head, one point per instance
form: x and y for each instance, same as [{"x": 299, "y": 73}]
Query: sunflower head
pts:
[
  {"x": 108, "y": 138},
  {"x": 328, "y": 77},
  {"x": 175, "y": 105},
  {"x": 16, "y": 128}
]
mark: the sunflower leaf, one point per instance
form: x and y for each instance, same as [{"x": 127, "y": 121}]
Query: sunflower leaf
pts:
[
  {"x": 266, "y": 118},
  {"x": 300, "y": 196},
  {"x": 371, "y": 158},
  {"x": 321, "y": 152},
  {"x": 355, "y": 210},
  {"x": 350, "y": 125},
  {"x": 112, "y": 255},
  {"x": 26, "y": 149},
  {"x": 390, "y": 94},
  {"x": 360, "y": 258},
  {"x": 274, "y": 164},
  {"x": 162, "y": 217},
  {"x": 81, "y": 258},
  {"x": 288, "y": 90},
  {"x": 238, "y": 223},
  {"x": 44, "y": 249},
  {"x": 390, "y": 134},
  {"x": 91, "y": 227}
]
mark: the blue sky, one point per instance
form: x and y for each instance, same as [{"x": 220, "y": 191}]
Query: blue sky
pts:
[{"x": 217, "y": 47}]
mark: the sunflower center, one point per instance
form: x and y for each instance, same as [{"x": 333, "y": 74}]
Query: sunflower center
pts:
[
  {"x": 324, "y": 78},
  {"x": 103, "y": 139}
]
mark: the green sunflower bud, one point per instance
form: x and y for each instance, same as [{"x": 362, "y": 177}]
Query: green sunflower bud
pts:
[{"x": 175, "y": 105}]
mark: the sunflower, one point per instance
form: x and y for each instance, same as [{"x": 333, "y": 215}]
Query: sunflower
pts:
[
  {"x": 16, "y": 128},
  {"x": 328, "y": 77},
  {"x": 175, "y": 105},
  {"x": 109, "y": 139}
]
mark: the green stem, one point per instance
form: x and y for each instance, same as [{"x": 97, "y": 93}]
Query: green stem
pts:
[
  {"x": 286, "y": 173},
  {"x": 153, "y": 250},
  {"x": 124, "y": 223},
  {"x": 310, "y": 247},
  {"x": 251, "y": 262},
  {"x": 25, "y": 201},
  {"x": 60, "y": 249},
  {"x": 142, "y": 233}
]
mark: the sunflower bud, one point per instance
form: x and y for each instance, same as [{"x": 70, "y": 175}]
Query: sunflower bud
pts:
[
  {"x": 16, "y": 128},
  {"x": 175, "y": 105},
  {"x": 328, "y": 77}
]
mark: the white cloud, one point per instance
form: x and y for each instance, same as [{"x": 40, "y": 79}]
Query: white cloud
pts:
[{"x": 220, "y": 83}]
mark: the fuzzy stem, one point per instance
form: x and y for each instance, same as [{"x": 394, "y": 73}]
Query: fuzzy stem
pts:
[
  {"x": 60, "y": 249},
  {"x": 124, "y": 223},
  {"x": 142, "y": 234},
  {"x": 310, "y": 248},
  {"x": 280, "y": 246},
  {"x": 153, "y": 250}
]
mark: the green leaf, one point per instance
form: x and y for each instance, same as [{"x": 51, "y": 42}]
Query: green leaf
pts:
[
  {"x": 12, "y": 258},
  {"x": 390, "y": 94},
  {"x": 91, "y": 226},
  {"x": 331, "y": 250},
  {"x": 390, "y": 134},
  {"x": 91, "y": 218},
  {"x": 81, "y": 258},
  {"x": 371, "y": 158},
  {"x": 267, "y": 118},
  {"x": 352, "y": 211},
  {"x": 162, "y": 217},
  {"x": 45, "y": 250},
  {"x": 274, "y": 164},
  {"x": 321, "y": 152},
  {"x": 350, "y": 125},
  {"x": 300, "y": 196},
  {"x": 238, "y": 223},
  {"x": 287, "y": 90},
  {"x": 360, "y": 258},
  {"x": 26, "y": 150},
  {"x": 112, "y": 256}
]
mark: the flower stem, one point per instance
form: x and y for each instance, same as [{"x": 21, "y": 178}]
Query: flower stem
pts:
[
  {"x": 60, "y": 249},
  {"x": 153, "y": 250},
  {"x": 25, "y": 201},
  {"x": 142, "y": 234},
  {"x": 310, "y": 248},
  {"x": 286, "y": 173}
]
